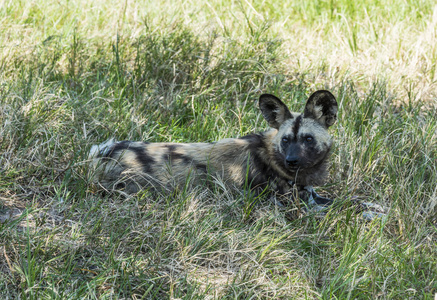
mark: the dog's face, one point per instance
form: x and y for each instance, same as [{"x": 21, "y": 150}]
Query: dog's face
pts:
[{"x": 302, "y": 140}]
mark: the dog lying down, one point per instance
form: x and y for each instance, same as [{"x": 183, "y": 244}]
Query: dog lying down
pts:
[{"x": 293, "y": 154}]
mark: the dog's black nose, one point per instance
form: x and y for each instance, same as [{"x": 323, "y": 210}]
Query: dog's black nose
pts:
[{"x": 291, "y": 161}]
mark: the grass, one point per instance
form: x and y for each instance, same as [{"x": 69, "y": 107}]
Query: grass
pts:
[{"x": 75, "y": 73}]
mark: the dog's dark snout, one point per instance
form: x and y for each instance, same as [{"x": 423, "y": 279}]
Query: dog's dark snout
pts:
[{"x": 291, "y": 161}]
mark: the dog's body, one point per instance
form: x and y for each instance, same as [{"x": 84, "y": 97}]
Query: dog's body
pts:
[{"x": 295, "y": 150}]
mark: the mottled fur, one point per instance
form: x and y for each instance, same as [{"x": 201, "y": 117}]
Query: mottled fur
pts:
[{"x": 295, "y": 149}]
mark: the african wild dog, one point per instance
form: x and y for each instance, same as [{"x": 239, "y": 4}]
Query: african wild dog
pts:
[{"x": 295, "y": 150}]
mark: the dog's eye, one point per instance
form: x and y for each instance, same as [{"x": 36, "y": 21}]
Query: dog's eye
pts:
[
  {"x": 285, "y": 140},
  {"x": 309, "y": 139}
]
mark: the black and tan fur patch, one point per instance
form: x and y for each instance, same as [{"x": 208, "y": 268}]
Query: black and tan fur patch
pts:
[{"x": 296, "y": 149}]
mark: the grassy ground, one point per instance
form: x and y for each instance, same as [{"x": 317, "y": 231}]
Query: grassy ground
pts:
[{"x": 75, "y": 73}]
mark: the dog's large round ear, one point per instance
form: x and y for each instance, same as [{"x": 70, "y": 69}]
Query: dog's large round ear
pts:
[
  {"x": 273, "y": 110},
  {"x": 322, "y": 107}
]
